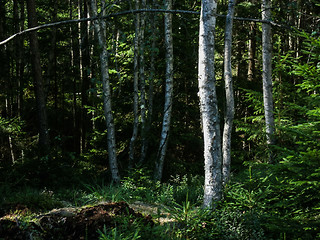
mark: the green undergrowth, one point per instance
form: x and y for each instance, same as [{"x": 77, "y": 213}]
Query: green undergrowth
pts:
[{"x": 279, "y": 201}]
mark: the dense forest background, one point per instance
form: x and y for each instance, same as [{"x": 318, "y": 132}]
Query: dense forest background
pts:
[{"x": 75, "y": 152}]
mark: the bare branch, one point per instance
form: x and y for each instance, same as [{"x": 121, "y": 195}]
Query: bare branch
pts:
[{"x": 54, "y": 24}]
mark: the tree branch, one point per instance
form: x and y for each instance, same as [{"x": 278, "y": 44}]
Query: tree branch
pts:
[{"x": 54, "y": 24}]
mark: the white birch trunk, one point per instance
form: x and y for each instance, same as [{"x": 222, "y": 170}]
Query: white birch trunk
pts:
[
  {"x": 209, "y": 105},
  {"x": 135, "y": 89},
  {"x": 267, "y": 75},
  {"x": 229, "y": 113},
  {"x": 101, "y": 34},
  {"x": 168, "y": 93}
]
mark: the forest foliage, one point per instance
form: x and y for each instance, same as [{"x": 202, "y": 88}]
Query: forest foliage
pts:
[{"x": 261, "y": 201}]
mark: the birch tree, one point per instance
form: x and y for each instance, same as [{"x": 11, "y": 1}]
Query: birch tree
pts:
[
  {"x": 168, "y": 93},
  {"x": 229, "y": 113},
  {"x": 209, "y": 104},
  {"x": 267, "y": 75},
  {"x": 100, "y": 29}
]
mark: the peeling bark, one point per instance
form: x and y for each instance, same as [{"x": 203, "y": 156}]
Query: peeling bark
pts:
[
  {"x": 168, "y": 94},
  {"x": 101, "y": 34},
  {"x": 267, "y": 75},
  {"x": 209, "y": 105}
]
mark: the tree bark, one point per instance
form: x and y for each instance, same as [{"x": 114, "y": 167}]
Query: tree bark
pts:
[
  {"x": 267, "y": 75},
  {"x": 84, "y": 65},
  {"x": 18, "y": 16},
  {"x": 75, "y": 76},
  {"x": 252, "y": 52},
  {"x": 145, "y": 142},
  {"x": 135, "y": 89},
  {"x": 142, "y": 79},
  {"x": 209, "y": 105},
  {"x": 101, "y": 34},
  {"x": 168, "y": 94},
  {"x": 39, "y": 83},
  {"x": 229, "y": 113}
]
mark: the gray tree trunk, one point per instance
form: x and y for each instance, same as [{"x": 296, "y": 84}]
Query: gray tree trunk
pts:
[
  {"x": 142, "y": 79},
  {"x": 168, "y": 94},
  {"x": 101, "y": 34},
  {"x": 209, "y": 105},
  {"x": 40, "y": 86},
  {"x": 252, "y": 52},
  {"x": 18, "y": 15},
  {"x": 145, "y": 142},
  {"x": 135, "y": 89},
  {"x": 229, "y": 113},
  {"x": 267, "y": 75},
  {"x": 84, "y": 65}
]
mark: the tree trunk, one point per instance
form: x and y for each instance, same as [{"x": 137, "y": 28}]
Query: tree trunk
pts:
[
  {"x": 168, "y": 94},
  {"x": 100, "y": 28},
  {"x": 52, "y": 52},
  {"x": 84, "y": 65},
  {"x": 229, "y": 113},
  {"x": 142, "y": 79},
  {"x": 209, "y": 105},
  {"x": 135, "y": 89},
  {"x": 145, "y": 142},
  {"x": 267, "y": 75},
  {"x": 252, "y": 52},
  {"x": 75, "y": 76},
  {"x": 39, "y": 83},
  {"x": 18, "y": 15},
  {"x": 21, "y": 58}
]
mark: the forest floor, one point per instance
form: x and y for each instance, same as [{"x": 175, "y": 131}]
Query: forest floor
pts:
[{"x": 20, "y": 222}]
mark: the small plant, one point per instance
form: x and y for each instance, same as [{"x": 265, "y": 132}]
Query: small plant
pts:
[
  {"x": 104, "y": 192},
  {"x": 115, "y": 234},
  {"x": 140, "y": 186},
  {"x": 187, "y": 184}
]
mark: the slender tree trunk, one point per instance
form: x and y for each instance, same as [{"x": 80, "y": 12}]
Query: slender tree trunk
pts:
[
  {"x": 298, "y": 25},
  {"x": 252, "y": 52},
  {"x": 115, "y": 50},
  {"x": 84, "y": 65},
  {"x": 4, "y": 69},
  {"x": 229, "y": 114},
  {"x": 75, "y": 70},
  {"x": 145, "y": 142},
  {"x": 21, "y": 58},
  {"x": 267, "y": 75},
  {"x": 142, "y": 79},
  {"x": 209, "y": 105},
  {"x": 12, "y": 155},
  {"x": 40, "y": 88},
  {"x": 18, "y": 54},
  {"x": 135, "y": 89},
  {"x": 52, "y": 52},
  {"x": 168, "y": 94},
  {"x": 100, "y": 28}
]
